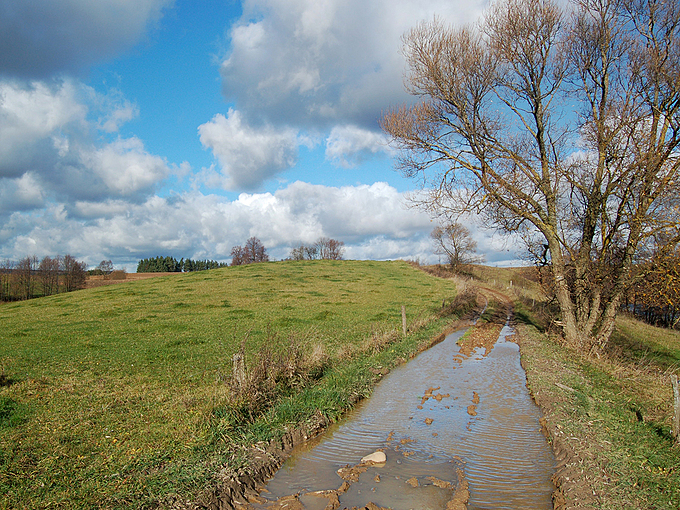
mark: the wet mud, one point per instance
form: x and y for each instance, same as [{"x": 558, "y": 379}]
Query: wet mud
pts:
[{"x": 457, "y": 429}]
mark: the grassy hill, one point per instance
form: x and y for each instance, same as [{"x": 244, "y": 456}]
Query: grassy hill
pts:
[{"x": 119, "y": 396}]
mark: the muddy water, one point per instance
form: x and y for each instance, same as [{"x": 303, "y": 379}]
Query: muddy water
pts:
[{"x": 438, "y": 415}]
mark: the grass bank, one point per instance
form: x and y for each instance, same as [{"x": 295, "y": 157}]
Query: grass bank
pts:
[
  {"x": 608, "y": 418},
  {"x": 123, "y": 397}
]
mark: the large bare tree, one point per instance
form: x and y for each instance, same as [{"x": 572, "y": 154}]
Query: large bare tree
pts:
[
  {"x": 561, "y": 125},
  {"x": 455, "y": 241}
]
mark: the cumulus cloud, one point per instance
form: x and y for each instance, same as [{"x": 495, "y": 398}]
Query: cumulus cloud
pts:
[
  {"x": 367, "y": 218},
  {"x": 125, "y": 167},
  {"x": 32, "y": 118},
  {"x": 248, "y": 155},
  {"x": 22, "y": 193},
  {"x": 49, "y": 148},
  {"x": 347, "y": 146},
  {"x": 318, "y": 64},
  {"x": 39, "y": 38}
]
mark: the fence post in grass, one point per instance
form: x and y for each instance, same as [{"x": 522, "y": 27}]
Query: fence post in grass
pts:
[
  {"x": 676, "y": 407},
  {"x": 403, "y": 319},
  {"x": 239, "y": 370}
]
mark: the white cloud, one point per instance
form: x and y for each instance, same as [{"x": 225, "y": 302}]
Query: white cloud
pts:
[
  {"x": 22, "y": 193},
  {"x": 199, "y": 226},
  {"x": 248, "y": 155},
  {"x": 39, "y": 38},
  {"x": 319, "y": 63},
  {"x": 31, "y": 118},
  {"x": 373, "y": 221},
  {"x": 349, "y": 145},
  {"x": 125, "y": 167},
  {"x": 325, "y": 68},
  {"x": 114, "y": 110},
  {"x": 48, "y": 137}
]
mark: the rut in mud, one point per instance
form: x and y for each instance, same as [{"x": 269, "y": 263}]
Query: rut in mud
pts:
[{"x": 456, "y": 424}]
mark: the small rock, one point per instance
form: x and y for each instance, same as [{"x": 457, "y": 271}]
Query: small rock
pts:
[
  {"x": 375, "y": 457},
  {"x": 413, "y": 482},
  {"x": 428, "y": 421}
]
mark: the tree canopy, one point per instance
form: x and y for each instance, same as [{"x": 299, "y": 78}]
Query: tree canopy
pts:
[
  {"x": 252, "y": 252},
  {"x": 559, "y": 125}
]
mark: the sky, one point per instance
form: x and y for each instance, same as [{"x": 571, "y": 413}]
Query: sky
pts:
[{"x": 136, "y": 128}]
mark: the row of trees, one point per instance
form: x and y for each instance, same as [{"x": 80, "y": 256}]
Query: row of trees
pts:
[
  {"x": 323, "y": 249},
  {"x": 172, "y": 265},
  {"x": 251, "y": 252},
  {"x": 31, "y": 277}
]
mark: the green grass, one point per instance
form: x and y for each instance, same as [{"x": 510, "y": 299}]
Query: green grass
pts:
[
  {"x": 616, "y": 420},
  {"x": 117, "y": 397}
]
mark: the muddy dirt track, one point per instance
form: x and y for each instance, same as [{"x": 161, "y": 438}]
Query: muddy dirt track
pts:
[{"x": 456, "y": 425}]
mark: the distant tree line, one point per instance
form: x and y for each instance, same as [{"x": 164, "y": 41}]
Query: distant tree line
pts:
[
  {"x": 172, "y": 265},
  {"x": 31, "y": 277},
  {"x": 324, "y": 249}
]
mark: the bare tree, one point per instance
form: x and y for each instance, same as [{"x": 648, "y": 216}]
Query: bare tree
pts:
[
  {"x": 304, "y": 252},
  {"x": 330, "y": 249},
  {"x": 74, "y": 273},
  {"x": 26, "y": 276},
  {"x": 253, "y": 251},
  {"x": 324, "y": 248},
  {"x": 48, "y": 273},
  {"x": 455, "y": 242},
  {"x": 105, "y": 267},
  {"x": 493, "y": 133},
  {"x": 6, "y": 270}
]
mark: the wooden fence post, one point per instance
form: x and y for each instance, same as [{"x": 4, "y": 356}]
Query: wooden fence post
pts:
[
  {"x": 403, "y": 319},
  {"x": 676, "y": 407},
  {"x": 239, "y": 370}
]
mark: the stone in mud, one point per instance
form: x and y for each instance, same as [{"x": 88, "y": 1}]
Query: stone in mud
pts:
[
  {"x": 287, "y": 503},
  {"x": 475, "y": 397},
  {"x": 413, "y": 482},
  {"x": 428, "y": 421},
  {"x": 472, "y": 410},
  {"x": 442, "y": 484},
  {"x": 351, "y": 474},
  {"x": 375, "y": 457},
  {"x": 373, "y": 506},
  {"x": 376, "y": 478}
]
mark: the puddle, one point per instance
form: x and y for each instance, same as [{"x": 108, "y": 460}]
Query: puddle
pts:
[{"x": 436, "y": 418}]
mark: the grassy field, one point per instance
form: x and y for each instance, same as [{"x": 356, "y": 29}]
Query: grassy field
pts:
[{"x": 122, "y": 396}]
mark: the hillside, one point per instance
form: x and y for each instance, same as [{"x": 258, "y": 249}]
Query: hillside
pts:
[{"x": 123, "y": 395}]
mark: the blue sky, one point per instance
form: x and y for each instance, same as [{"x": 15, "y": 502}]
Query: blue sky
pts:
[{"x": 136, "y": 128}]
